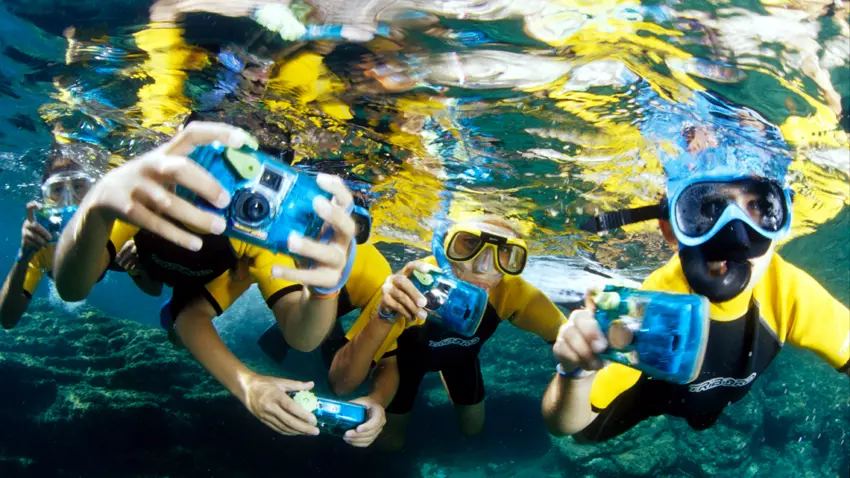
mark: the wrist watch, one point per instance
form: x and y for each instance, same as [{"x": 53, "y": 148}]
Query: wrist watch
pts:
[{"x": 392, "y": 318}]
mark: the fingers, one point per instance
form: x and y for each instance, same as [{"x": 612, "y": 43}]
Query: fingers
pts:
[
  {"x": 580, "y": 341},
  {"x": 295, "y": 417},
  {"x": 141, "y": 216},
  {"x": 189, "y": 174},
  {"x": 335, "y": 185},
  {"x": 397, "y": 296},
  {"x": 366, "y": 433},
  {"x": 198, "y": 133},
  {"x": 338, "y": 218},
  {"x": 38, "y": 231},
  {"x": 149, "y": 192},
  {"x": 333, "y": 256},
  {"x": 32, "y": 207},
  {"x": 407, "y": 294},
  {"x": 31, "y": 240},
  {"x": 589, "y": 303}
]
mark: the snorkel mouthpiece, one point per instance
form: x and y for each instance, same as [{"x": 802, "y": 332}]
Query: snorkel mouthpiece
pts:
[{"x": 735, "y": 244}]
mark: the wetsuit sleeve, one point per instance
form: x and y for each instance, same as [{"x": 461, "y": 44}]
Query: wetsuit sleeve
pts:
[
  {"x": 368, "y": 274},
  {"x": 262, "y": 262},
  {"x": 42, "y": 261},
  {"x": 810, "y": 318},
  {"x": 223, "y": 291},
  {"x": 536, "y": 312}
]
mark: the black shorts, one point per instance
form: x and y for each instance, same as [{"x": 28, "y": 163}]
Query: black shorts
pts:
[{"x": 463, "y": 380}]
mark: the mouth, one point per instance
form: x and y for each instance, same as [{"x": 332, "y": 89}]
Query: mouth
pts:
[
  {"x": 716, "y": 268},
  {"x": 484, "y": 285}
]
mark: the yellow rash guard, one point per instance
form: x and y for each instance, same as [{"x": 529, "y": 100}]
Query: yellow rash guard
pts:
[
  {"x": 207, "y": 271},
  {"x": 746, "y": 334},
  {"x": 41, "y": 262}
]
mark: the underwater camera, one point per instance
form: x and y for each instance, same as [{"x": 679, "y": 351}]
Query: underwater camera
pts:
[
  {"x": 333, "y": 416},
  {"x": 661, "y": 334},
  {"x": 55, "y": 219},
  {"x": 269, "y": 199},
  {"x": 454, "y": 304}
]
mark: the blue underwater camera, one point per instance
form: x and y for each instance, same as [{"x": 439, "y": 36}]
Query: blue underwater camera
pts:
[
  {"x": 55, "y": 219},
  {"x": 661, "y": 334},
  {"x": 333, "y": 416},
  {"x": 454, "y": 304},
  {"x": 269, "y": 199}
]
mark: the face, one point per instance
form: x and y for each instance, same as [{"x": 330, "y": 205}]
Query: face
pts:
[
  {"x": 482, "y": 271},
  {"x": 65, "y": 189}
]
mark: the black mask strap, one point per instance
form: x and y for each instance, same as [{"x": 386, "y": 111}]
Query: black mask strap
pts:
[{"x": 616, "y": 219}]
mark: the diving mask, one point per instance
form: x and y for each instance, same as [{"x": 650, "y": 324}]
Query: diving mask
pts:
[
  {"x": 65, "y": 189},
  {"x": 466, "y": 243},
  {"x": 698, "y": 211}
]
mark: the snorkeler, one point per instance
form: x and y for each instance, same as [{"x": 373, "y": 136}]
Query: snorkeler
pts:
[
  {"x": 64, "y": 184},
  {"x": 728, "y": 205},
  {"x": 403, "y": 346},
  {"x": 182, "y": 246}
]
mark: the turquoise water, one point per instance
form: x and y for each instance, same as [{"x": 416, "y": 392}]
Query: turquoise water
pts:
[{"x": 543, "y": 112}]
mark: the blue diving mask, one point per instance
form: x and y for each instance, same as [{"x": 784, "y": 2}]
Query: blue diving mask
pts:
[{"x": 61, "y": 194}]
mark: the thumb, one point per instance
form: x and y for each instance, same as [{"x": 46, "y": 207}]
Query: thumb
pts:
[{"x": 32, "y": 207}]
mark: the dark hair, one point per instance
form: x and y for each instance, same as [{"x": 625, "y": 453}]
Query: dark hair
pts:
[{"x": 58, "y": 162}]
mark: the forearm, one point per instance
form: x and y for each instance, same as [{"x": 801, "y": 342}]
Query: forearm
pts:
[
  {"x": 566, "y": 405},
  {"x": 307, "y": 324},
  {"x": 384, "y": 382},
  {"x": 13, "y": 301},
  {"x": 200, "y": 337},
  {"x": 81, "y": 255},
  {"x": 352, "y": 362}
]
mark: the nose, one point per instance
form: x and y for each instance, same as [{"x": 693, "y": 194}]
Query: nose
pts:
[{"x": 484, "y": 262}]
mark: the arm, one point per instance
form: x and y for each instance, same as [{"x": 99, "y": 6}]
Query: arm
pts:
[
  {"x": 305, "y": 319},
  {"x": 352, "y": 362},
  {"x": 813, "y": 318},
  {"x": 82, "y": 255},
  {"x": 537, "y": 314},
  {"x": 371, "y": 335},
  {"x": 14, "y": 298},
  {"x": 566, "y": 405},
  {"x": 385, "y": 381}
]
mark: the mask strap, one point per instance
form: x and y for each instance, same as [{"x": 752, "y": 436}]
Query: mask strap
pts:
[{"x": 616, "y": 219}]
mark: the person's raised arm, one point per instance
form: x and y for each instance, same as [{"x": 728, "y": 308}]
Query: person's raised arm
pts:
[
  {"x": 265, "y": 397},
  {"x": 399, "y": 299},
  {"x": 140, "y": 192},
  {"x": 306, "y": 317},
  {"x": 566, "y": 403},
  {"x": 14, "y": 296}
]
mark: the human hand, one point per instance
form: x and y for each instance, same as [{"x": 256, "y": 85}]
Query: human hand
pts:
[
  {"x": 141, "y": 191},
  {"x": 267, "y": 399},
  {"x": 128, "y": 258},
  {"x": 366, "y": 433},
  {"x": 401, "y": 297},
  {"x": 580, "y": 340},
  {"x": 328, "y": 259},
  {"x": 34, "y": 236}
]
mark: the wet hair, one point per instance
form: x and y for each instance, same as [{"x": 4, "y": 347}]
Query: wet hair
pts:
[
  {"x": 497, "y": 221},
  {"x": 58, "y": 162}
]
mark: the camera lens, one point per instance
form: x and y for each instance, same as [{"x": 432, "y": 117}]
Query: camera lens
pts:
[{"x": 252, "y": 208}]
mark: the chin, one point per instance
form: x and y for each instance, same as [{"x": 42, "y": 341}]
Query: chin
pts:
[{"x": 759, "y": 266}]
